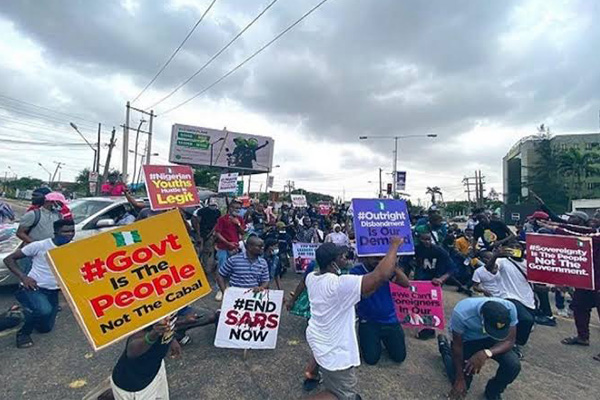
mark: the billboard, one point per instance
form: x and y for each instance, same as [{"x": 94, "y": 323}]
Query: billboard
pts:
[{"x": 194, "y": 145}]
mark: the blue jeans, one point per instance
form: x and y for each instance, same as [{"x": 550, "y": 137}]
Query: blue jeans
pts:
[
  {"x": 39, "y": 308},
  {"x": 222, "y": 256}
]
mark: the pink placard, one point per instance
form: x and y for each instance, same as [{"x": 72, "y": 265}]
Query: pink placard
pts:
[{"x": 420, "y": 305}]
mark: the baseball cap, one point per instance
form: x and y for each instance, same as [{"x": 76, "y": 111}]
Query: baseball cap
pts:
[
  {"x": 539, "y": 215},
  {"x": 56, "y": 196},
  {"x": 327, "y": 253},
  {"x": 579, "y": 214},
  {"x": 496, "y": 319}
]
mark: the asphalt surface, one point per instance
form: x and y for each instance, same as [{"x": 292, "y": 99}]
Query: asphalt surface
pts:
[{"x": 62, "y": 365}]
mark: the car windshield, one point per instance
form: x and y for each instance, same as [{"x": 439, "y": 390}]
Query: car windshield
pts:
[{"x": 84, "y": 208}]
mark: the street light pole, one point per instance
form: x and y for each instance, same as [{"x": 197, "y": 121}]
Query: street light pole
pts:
[
  {"x": 137, "y": 137},
  {"x": 395, "y": 171},
  {"x": 49, "y": 173},
  {"x": 96, "y": 159}
]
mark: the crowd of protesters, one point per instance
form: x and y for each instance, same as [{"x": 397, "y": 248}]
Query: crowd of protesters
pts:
[{"x": 250, "y": 246}]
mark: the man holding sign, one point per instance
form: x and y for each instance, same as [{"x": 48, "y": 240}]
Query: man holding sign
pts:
[{"x": 331, "y": 334}]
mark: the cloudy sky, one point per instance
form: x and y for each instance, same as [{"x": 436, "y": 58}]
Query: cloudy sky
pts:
[{"x": 479, "y": 74}]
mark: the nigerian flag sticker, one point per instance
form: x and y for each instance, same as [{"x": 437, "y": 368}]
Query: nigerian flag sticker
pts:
[{"x": 126, "y": 238}]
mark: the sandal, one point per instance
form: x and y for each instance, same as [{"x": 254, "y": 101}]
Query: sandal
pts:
[
  {"x": 596, "y": 357},
  {"x": 24, "y": 341},
  {"x": 311, "y": 382},
  {"x": 575, "y": 340}
]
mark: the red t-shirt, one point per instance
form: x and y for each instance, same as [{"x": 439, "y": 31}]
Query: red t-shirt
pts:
[
  {"x": 118, "y": 189},
  {"x": 229, "y": 231}
]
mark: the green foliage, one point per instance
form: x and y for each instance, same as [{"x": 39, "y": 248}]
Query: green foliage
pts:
[
  {"x": 207, "y": 177},
  {"x": 23, "y": 183},
  {"x": 575, "y": 166}
]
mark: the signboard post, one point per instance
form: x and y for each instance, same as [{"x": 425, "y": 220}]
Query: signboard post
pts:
[
  {"x": 560, "y": 260},
  {"x": 194, "y": 145},
  {"x": 249, "y": 320},
  {"x": 304, "y": 253},
  {"x": 299, "y": 200},
  {"x": 170, "y": 186},
  {"x": 420, "y": 305},
  {"x": 228, "y": 183},
  {"x": 400, "y": 180},
  {"x": 121, "y": 281},
  {"x": 376, "y": 221}
]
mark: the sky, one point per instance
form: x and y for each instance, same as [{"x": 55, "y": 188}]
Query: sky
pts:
[{"x": 480, "y": 75}]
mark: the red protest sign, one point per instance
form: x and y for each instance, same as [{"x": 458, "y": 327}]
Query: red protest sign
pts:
[
  {"x": 324, "y": 209},
  {"x": 170, "y": 186},
  {"x": 560, "y": 260}
]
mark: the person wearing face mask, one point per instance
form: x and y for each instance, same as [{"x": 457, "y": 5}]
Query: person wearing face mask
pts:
[
  {"x": 273, "y": 261},
  {"x": 331, "y": 332},
  {"x": 38, "y": 291},
  {"x": 229, "y": 230},
  {"x": 37, "y": 224},
  {"x": 38, "y": 197}
]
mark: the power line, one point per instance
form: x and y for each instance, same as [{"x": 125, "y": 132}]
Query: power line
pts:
[
  {"x": 214, "y": 57},
  {"x": 247, "y": 59},
  {"x": 14, "y": 141},
  {"x": 46, "y": 108},
  {"x": 175, "y": 52}
]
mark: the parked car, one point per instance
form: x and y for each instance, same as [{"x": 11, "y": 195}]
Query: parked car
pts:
[{"x": 91, "y": 215}]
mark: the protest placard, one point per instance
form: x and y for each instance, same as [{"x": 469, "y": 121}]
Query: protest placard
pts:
[
  {"x": 249, "y": 320},
  {"x": 228, "y": 183},
  {"x": 560, "y": 260},
  {"x": 324, "y": 208},
  {"x": 170, "y": 186},
  {"x": 376, "y": 221},
  {"x": 299, "y": 200},
  {"x": 419, "y": 305},
  {"x": 121, "y": 281},
  {"x": 304, "y": 253}
]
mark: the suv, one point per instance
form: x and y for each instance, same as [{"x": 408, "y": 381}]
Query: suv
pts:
[{"x": 91, "y": 215}]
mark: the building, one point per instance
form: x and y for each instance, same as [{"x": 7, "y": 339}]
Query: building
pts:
[{"x": 517, "y": 162}]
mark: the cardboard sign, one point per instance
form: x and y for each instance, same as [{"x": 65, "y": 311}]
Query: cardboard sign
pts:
[
  {"x": 560, "y": 260},
  {"x": 121, "y": 281},
  {"x": 228, "y": 183},
  {"x": 420, "y": 305},
  {"x": 304, "y": 253},
  {"x": 376, "y": 221},
  {"x": 299, "y": 200},
  {"x": 249, "y": 320},
  {"x": 170, "y": 186}
]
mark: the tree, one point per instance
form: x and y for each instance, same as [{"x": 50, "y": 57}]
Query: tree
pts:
[
  {"x": 82, "y": 182},
  {"x": 544, "y": 176},
  {"x": 207, "y": 177},
  {"x": 433, "y": 191},
  {"x": 577, "y": 165}
]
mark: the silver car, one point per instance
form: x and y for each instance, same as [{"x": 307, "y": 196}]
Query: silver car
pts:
[{"x": 91, "y": 215}]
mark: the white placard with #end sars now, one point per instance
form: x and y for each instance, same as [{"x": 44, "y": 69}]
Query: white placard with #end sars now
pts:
[{"x": 249, "y": 320}]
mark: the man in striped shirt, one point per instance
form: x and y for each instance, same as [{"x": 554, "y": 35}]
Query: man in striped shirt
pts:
[{"x": 246, "y": 269}]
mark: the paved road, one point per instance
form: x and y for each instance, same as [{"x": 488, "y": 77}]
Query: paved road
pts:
[{"x": 63, "y": 357}]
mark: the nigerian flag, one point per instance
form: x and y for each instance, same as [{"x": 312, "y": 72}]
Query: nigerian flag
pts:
[{"x": 127, "y": 238}]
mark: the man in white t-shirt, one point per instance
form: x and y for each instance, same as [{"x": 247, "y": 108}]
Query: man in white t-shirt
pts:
[
  {"x": 484, "y": 281},
  {"x": 38, "y": 292},
  {"x": 331, "y": 332},
  {"x": 513, "y": 284},
  {"x": 338, "y": 237}
]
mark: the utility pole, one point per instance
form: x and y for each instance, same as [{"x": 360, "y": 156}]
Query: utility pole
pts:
[
  {"x": 97, "y": 166},
  {"x": 58, "y": 166},
  {"x": 468, "y": 182},
  {"x": 149, "y": 149},
  {"x": 380, "y": 184},
  {"x": 290, "y": 186},
  {"x": 108, "y": 156},
  {"x": 125, "y": 143}
]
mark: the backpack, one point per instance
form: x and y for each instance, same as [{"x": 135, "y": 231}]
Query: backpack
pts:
[{"x": 37, "y": 215}]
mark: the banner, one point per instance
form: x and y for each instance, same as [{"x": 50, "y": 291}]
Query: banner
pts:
[
  {"x": 249, "y": 320},
  {"x": 121, "y": 281},
  {"x": 194, "y": 145},
  {"x": 304, "y": 253},
  {"x": 421, "y": 305},
  {"x": 400, "y": 180},
  {"x": 376, "y": 221},
  {"x": 228, "y": 183},
  {"x": 299, "y": 200},
  {"x": 170, "y": 186},
  {"x": 560, "y": 260},
  {"x": 324, "y": 209}
]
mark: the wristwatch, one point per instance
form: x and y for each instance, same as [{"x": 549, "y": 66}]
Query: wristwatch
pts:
[{"x": 488, "y": 353}]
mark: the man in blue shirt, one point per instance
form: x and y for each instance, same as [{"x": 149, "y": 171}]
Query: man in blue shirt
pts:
[
  {"x": 482, "y": 328},
  {"x": 247, "y": 269},
  {"x": 377, "y": 318}
]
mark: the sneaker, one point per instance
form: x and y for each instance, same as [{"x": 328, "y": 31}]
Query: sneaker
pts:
[
  {"x": 23, "y": 341},
  {"x": 517, "y": 350},
  {"x": 491, "y": 396},
  {"x": 443, "y": 344},
  {"x": 544, "y": 320},
  {"x": 219, "y": 296},
  {"x": 563, "y": 313},
  {"x": 426, "y": 334},
  {"x": 185, "y": 340}
]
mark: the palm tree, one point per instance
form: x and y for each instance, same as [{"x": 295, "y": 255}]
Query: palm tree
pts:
[
  {"x": 577, "y": 165},
  {"x": 432, "y": 191}
]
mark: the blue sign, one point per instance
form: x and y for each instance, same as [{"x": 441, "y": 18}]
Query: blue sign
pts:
[{"x": 376, "y": 221}]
